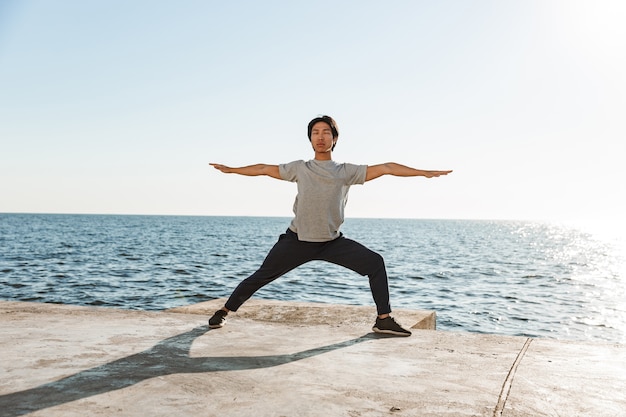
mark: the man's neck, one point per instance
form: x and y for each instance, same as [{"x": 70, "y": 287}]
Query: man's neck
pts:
[{"x": 323, "y": 156}]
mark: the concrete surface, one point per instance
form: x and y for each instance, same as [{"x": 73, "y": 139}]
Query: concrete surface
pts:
[{"x": 77, "y": 361}]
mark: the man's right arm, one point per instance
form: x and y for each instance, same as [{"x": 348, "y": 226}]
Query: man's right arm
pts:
[{"x": 250, "y": 170}]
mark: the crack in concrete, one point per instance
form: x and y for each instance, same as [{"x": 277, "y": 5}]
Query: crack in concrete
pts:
[{"x": 508, "y": 382}]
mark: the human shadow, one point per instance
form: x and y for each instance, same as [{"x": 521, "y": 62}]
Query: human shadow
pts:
[{"x": 170, "y": 356}]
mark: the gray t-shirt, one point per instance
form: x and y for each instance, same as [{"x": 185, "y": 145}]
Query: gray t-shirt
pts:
[{"x": 322, "y": 195}]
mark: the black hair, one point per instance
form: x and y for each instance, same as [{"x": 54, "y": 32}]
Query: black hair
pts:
[{"x": 329, "y": 121}]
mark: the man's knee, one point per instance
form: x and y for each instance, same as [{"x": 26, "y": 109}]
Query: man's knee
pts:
[
  {"x": 377, "y": 258},
  {"x": 374, "y": 262}
]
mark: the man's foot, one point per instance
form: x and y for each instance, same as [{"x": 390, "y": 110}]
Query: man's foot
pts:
[
  {"x": 389, "y": 326},
  {"x": 218, "y": 319}
]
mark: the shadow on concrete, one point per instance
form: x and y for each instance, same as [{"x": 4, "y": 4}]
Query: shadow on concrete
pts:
[{"x": 171, "y": 356}]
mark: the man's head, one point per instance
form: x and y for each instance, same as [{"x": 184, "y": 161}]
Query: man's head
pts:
[{"x": 330, "y": 122}]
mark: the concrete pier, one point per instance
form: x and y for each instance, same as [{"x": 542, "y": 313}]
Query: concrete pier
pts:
[{"x": 284, "y": 359}]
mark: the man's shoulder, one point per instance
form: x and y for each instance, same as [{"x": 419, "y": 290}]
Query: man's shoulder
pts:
[
  {"x": 292, "y": 164},
  {"x": 296, "y": 162},
  {"x": 352, "y": 166},
  {"x": 290, "y": 170}
]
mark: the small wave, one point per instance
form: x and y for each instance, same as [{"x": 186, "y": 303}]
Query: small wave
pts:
[
  {"x": 416, "y": 277},
  {"x": 28, "y": 299},
  {"x": 129, "y": 257}
]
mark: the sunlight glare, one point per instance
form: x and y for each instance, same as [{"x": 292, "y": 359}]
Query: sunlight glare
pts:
[{"x": 595, "y": 27}]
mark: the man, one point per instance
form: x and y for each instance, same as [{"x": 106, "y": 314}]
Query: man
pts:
[{"x": 313, "y": 234}]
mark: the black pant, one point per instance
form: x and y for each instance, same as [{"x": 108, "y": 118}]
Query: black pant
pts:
[{"x": 289, "y": 253}]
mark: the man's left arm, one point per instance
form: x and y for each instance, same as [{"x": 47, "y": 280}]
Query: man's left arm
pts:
[{"x": 398, "y": 170}]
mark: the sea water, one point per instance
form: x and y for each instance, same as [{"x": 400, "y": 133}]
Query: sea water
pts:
[{"x": 505, "y": 277}]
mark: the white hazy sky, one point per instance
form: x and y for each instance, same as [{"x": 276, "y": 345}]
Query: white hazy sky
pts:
[{"x": 117, "y": 106}]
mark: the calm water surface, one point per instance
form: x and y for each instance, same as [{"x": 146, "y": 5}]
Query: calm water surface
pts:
[{"x": 505, "y": 277}]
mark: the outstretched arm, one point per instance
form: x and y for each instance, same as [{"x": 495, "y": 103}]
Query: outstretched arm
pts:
[
  {"x": 391, "y": 168},
  {"x": 250, "y": 170}
]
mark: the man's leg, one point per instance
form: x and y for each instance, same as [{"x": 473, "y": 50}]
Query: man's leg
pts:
[
  {"x": 353, "y": 255},
  {"x": 287, "y": 254}
]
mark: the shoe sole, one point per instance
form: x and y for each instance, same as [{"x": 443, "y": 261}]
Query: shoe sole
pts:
[
  {"x": 393, "y": 332},
  {"x": 216, "y": 326}
]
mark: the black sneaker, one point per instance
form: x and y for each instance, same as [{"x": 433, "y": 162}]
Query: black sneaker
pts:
[
  {"x": 389, "y": 326},
  {"x": 218, "y": 319}
]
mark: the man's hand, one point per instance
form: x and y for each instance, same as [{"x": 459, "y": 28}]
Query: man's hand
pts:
[
  {"x": 431, "y": 174},
  {"x": 223, "y": 168}
]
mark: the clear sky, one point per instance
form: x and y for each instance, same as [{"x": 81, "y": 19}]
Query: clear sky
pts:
[{"x": 117, "y": 106}]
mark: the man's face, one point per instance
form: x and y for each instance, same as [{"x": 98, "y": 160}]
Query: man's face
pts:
[{"x": 322, "y": 137}]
